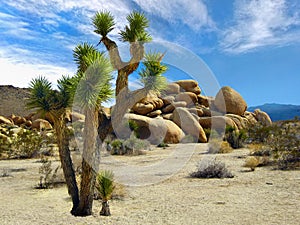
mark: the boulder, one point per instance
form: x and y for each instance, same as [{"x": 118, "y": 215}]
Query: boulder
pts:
[
  {"x": 156, "y": 130},
  {"x": 196, "y": 111},
  {"x": 149, "y": 103},
  {"x": 240, "y": 122},
  {"x": 172, "y": 88},
  {"x": 250, "y": 117},
  {"x": 189, "y": 86},
  {"x": 188, "y": 97},
  {"x": 205, "y": 100},
  {"x": 143, "y": 109},
  {"x": 262, "y": 117},
  {"x": 75, "y": 116},
  {"x": 5, "y": 120},
  {"x": 186, "y": 121},
  {"x": 167, "y": 100},
  {"x": 218, "y": 123},
  {"x": 18, "y": 120},
  {"x": 154, "y": 113},
  {"x": 41, "y": 124},
  {"x": 230, "y": 101},
  {"x": 168, "y": 109},
  {"x": 167, "y": 116}
]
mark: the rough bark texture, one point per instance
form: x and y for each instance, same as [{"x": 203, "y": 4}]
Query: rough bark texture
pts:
[
  {"x": 105, "y": 211},
  {"x": 66, "y": 161},
  {"x": 89, "y": 164}
]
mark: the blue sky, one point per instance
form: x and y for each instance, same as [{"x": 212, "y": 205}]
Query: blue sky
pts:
[{"x": 250, "y": 45}]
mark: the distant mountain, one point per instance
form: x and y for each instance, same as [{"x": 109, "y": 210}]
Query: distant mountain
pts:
[{"x": 278, "y": 111}]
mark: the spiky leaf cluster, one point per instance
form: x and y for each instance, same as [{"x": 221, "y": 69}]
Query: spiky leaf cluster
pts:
[
  {"x": 103, "y": 23},
  {"x": 152, "y": 73},
  {"x": 136, "y": 30},
  {"x": 84, "y": 54},
  {"x": 105, "y": 184},
  {"x": 94, "y": 86},
  {"x": 40, "y": 92}
]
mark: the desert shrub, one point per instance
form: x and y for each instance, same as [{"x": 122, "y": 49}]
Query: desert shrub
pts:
[
  {"x": 259, "y": 149},
  {"x": 26, "y": 144},
  {"x": 216, "y": 146},
  {"x": 163, "y": 145},
  {"x": 280, "y": 141},
  {"x": 251, "y": 162},
  {"x": 211, "y": 133},
  {"x": 259, "y": 133},
  {"x": 130, "y": 146},
  {"x": 285, "y": 145},
  {"x": 134, "y": 127},
  {"x": 236, "y": 138},
  {"x": 211, "y": 169},
  {"x": 48, "y": 175},
  {"x": 5, "y": 173}
]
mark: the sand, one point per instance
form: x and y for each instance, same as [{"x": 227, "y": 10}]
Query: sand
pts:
[{"x": 265, "y": 196}]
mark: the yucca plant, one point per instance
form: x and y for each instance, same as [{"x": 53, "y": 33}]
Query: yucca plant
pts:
[
  {"x": 103, "y": 23},
  {"x": 93, "y": 88},
  {"x": 105, "y": 186},
  {"x": 54, "y": 104},
  {"x": 151, "y": 74}
]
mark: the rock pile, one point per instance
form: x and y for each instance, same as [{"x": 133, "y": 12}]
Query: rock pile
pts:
[{"x": 181, "y": 110}]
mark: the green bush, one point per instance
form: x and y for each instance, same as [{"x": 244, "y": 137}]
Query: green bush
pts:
[
  {"x": 130, "y": 146},
  {"x": 236, "y": 138}
]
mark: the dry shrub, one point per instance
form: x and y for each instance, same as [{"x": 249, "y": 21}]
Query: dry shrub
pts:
[
  {"x": 251, "y": 162},
  {"x": 211, "y": 169},
  {"x": 216, "y": 146}
]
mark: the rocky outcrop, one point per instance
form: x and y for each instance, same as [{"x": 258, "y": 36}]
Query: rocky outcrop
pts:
[
  {"x": 230, "y": 101},
  {"x": 183, "y": 104},
  {"x": 262, "y": 117}
]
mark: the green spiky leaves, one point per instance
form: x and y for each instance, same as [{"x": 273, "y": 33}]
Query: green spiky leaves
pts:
[
  {"x": 103, "y": 23},
  {"x": 84, "y": 54},
  {"x": 152, "y": 73},
  {"x": 94, "y": 86},
  {"x": 105, "y": 184},
  {"x": 136, "y": 31},
  {"x": 40, "y": 93}
]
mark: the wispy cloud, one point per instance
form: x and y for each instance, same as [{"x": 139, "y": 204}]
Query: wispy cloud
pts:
[
  {"x": 193, "y": 14},
  {"x": 260, "y": 23}
]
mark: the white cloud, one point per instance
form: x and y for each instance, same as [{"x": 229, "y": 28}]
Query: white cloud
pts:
[
  {"x": 190, "y": 12},
  {"x": 261, "y": 23}
]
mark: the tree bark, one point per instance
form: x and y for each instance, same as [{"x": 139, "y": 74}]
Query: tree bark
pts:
[
  {"x": 105, "y": 211},
  {"x": 66, "y": 161},
  {"x": 89, "y": 164}
]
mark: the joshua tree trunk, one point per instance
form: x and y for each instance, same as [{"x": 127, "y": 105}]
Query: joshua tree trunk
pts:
[
  {"x": 105, "y": 211},
  {"x": 66, "y": 161},
  {"x": 89, "y": 164}
]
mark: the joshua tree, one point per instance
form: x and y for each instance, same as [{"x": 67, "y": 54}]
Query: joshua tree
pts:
[
  {"x": 136, "y": 35},
  {"x": 105, "y": 186},
  {"x": 94, "y": 73},
  {"x": 54, "y": 103}
]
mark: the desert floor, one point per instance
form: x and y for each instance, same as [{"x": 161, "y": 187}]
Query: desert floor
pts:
[{"x": 158, "y": 195}]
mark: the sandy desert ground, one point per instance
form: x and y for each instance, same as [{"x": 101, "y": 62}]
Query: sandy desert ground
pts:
[{"x": 265, "y": 196}]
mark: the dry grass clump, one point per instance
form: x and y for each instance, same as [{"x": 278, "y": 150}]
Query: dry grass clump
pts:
[
  {"x": 212, "y": 169},
  {"x": 216, "y": 146},
  {"x": 251, "y": 162}
]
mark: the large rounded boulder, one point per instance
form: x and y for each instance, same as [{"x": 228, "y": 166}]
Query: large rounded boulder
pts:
[
  {"x": 189, "y": 124},
  {"x": 230, "y": 101}
]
